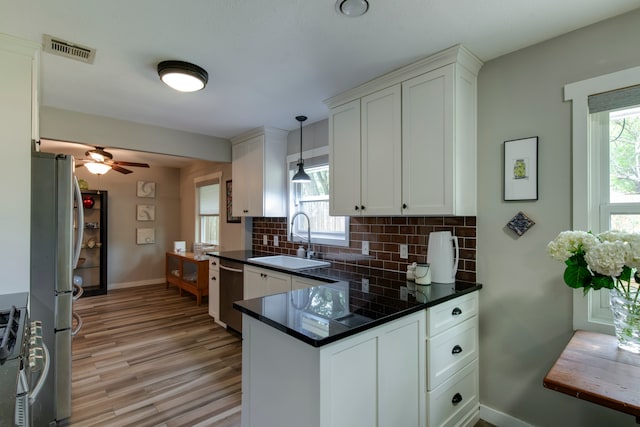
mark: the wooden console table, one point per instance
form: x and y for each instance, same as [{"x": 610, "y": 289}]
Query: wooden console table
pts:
[
  {"x": 592, "y": 368},
  {"x": 188, "y": 273}
]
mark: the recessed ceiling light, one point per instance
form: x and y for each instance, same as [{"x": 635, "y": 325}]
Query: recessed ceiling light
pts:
[
  {"x": 182, "y": 76},
  {"x": 352, "y": 8}
]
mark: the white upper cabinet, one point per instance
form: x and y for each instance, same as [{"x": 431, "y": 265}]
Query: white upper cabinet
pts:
[
  {"x": 344, "y": 155},
  {"x": 259, "y": 173},
  {"x": 381, "y": 149},
  {"x": 416, "y": 133}
]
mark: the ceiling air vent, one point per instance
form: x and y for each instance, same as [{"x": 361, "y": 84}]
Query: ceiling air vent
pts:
[{"x": 60, "y": 47}]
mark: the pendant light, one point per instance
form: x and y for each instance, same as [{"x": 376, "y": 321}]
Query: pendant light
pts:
[{"x": 301, "y": 175}]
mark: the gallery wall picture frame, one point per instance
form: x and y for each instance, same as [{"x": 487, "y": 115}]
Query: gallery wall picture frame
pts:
[
  {"x": 229, "y": 203},
  {"x": 521, "y": 169},
  {"x": 145, "y": 212},
  {"x": 146, "y": 189},
  {"x": 145, "y": 236}
]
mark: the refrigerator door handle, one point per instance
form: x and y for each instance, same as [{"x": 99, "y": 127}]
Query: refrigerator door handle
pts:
[
  {"x": 78, "y": 325},
  {"x": 79, "y": 291},
  {"x": 79, "y": 222}
]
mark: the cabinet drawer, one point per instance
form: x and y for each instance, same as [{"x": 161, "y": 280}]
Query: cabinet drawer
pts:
[
  {"x": 214, "y": 264},
  {"x": 450, "y": 351},
  {"x": 448, "y": 314},
  {"x": 456, "y": 399}
]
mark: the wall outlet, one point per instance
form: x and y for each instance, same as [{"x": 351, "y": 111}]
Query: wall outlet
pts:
[
  {"x": 365, "y": 285},
  {"x": 404, "y": 251},
  {"x": 265, "y": 240},
  {"x": 404, "y": 293},
  {"x": 275, "y": 241},
  {"x": 365, "y": 247}
]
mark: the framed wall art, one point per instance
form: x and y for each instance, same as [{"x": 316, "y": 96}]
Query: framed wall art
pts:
[
  {"x": 145, "y": 236},
  {"x": 229, "y": 203},
  {"x": 521, "y": 169},
  {"x": 146, "y": 212},
  {"x": 146, "y": 189}
]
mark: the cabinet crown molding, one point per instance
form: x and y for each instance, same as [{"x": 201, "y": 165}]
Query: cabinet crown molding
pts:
[
  {"x": 17, "y": 45},
  {"x": 457, "y": 54},
  {"x": 266, "y": 131}
]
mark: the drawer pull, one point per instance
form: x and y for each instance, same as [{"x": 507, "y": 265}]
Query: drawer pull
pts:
[
  {"x": 214, "y": 278},
  {"x": 457, "y": 349},
  {"x": 457, "y": 398},
  {"x": 456, "y": 312}
]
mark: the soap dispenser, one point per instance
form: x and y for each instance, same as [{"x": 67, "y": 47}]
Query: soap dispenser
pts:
[{"x": 301, "y": 252}]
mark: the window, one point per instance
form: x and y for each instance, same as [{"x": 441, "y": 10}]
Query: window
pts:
[
  {"x": 208, "y": 209},
  {"x": 606, "y": 182},
  {"x": 313, "y": 199}
]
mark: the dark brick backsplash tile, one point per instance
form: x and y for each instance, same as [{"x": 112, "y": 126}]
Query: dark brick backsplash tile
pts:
[{"x": 384, "y": 235}]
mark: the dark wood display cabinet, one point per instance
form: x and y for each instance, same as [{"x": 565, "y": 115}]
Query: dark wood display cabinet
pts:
[{"x": 91, "y": 271}]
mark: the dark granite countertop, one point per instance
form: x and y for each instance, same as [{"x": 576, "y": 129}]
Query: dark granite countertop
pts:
[{"x": 328, "y": 313}]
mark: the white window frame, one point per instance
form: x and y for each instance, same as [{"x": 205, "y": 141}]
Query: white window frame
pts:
[
  {"x": 196, "y": 181},
  {"x": 315, "y": 238},
  {"x": 590, "y": 312}
]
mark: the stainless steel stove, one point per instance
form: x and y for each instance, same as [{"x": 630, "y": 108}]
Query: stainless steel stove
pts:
[{"x": 23, "y": 360}]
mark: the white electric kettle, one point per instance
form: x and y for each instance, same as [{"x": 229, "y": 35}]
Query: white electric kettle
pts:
[{"x": 440, "y": 255}]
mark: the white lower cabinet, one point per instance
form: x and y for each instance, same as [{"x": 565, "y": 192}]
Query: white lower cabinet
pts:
[
  {"x": 298, "y": 282},
  {"x": 214, "y": 289},
  {"x": 373, "y": 379},
  {"x": 452, "y": 363},
  {"x": 259, "y": 282}
]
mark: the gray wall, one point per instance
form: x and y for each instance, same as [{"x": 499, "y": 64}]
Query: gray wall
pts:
[
  {"x": 525, "y": 309},
  {"x": 107, "y": 132}
]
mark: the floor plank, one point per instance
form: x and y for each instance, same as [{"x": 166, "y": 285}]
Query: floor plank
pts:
[{"x": 146, "y": 356}]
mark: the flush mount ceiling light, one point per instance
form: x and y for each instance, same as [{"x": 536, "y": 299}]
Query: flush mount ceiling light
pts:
[
  {"x": 97, "y": 168},
  {"x": 301, "y": 175},
  {"x": 352, "y": 8},
  {"x": 182, "y": 76}
]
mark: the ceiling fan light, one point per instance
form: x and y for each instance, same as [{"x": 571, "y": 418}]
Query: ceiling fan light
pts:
[
  {"x": 97, "y": 168},
  {"x": 183, "y": 76},
  {"x": 352, "y": 8}
]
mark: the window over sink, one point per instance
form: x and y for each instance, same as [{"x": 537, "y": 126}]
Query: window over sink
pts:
[{"x": 313, "y": 199}]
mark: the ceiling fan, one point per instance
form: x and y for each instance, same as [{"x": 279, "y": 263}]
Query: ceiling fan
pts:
[{"x": 101, "y": 161}]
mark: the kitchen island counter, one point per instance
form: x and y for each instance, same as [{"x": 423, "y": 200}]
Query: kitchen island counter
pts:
[{"x": 324, "y": 314}]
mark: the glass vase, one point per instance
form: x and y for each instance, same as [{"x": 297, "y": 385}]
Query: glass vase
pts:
[{"x": 626, "y": 320}]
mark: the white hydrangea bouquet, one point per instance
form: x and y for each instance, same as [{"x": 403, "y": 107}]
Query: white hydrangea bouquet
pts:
[{"x": 606, "y": 260}]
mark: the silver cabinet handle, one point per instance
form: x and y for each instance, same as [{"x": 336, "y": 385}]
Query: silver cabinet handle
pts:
[
  {"x": 79, "y": 220},
  {"x": 80, "y": 291}
]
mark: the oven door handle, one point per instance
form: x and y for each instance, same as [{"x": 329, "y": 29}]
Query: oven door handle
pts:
[
  {"x": 33, "y": 394},
  {"x": 235, "y": 270},
  {"x": 78, "y": 326}
]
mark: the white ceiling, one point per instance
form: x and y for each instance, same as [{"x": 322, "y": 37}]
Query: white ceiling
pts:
[{"x": 268, "y": 60}]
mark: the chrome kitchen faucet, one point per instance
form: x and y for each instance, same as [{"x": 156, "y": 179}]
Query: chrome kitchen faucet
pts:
[{"x": 310, "y": 253}]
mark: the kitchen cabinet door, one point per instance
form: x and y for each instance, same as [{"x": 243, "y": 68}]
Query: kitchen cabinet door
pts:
[
  {"x": 259, "y": 173},
  {"x": 214, "y": 288},
  {"x": 427, "y": 138},
  {"x": 259, "y": 282},
  {"x": 401, "y": 370},
  {"x": 381, "y": 150},
  {"x": 344, "y": 158}
]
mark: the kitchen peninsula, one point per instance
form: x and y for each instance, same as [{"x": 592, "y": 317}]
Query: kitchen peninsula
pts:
[{"x": 369, "y": 349}]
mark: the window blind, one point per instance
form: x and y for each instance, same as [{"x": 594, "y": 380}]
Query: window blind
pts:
[
  {"x": 615, "y": 99},
  {"x": 209, "y": 198}
]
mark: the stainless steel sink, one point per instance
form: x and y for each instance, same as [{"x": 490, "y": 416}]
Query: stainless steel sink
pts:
[{"x": 289, "y": 262}]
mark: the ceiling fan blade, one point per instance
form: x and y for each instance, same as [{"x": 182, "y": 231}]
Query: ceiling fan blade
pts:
[
  {"x": 141, "y": 165},
  {"x": 120, "y": 169}
]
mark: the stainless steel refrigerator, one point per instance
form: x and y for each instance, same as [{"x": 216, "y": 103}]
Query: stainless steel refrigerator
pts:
[{"x": 55, "y": 246}]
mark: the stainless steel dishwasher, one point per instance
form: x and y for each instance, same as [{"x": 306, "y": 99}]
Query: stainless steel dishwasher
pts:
[{"x": 231, "y": 289}]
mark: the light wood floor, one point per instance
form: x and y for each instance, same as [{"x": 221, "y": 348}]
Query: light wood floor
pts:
[{"x": 148, "y": 357}]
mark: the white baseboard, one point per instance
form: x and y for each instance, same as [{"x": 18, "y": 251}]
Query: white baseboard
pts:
[
  {"x": 160, "y": 281},
  {"x": 500, "y": 419}
]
